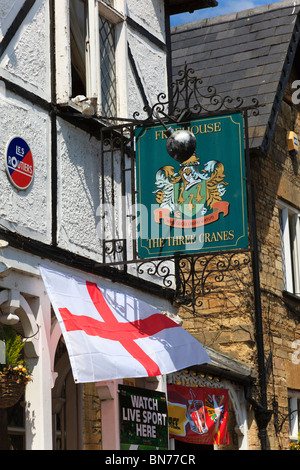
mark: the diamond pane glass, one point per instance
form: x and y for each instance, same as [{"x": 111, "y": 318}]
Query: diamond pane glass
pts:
[{"x": 108, "y": 67}]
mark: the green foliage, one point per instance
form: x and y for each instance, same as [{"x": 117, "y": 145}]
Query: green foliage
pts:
[
  {"x": 13, "y": 346},
  {"x": 15, "y": 364},
  {"x": 295, "y": 445}
]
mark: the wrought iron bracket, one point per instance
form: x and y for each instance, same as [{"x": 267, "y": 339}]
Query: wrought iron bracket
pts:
[
  {"x": 189, "y": 99},
  {"x": 187, "y": 274},
  {"x": 279, "y": 422}
]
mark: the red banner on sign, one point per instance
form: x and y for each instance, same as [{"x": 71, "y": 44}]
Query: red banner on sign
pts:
[
  {"x": 221, "y": 207},
  {"x": 198, "y": 415}
]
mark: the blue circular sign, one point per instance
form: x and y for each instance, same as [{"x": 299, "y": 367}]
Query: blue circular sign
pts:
[{"x": 19, "y": 163}]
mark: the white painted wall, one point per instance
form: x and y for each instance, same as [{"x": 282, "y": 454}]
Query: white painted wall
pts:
[
  {"x": 26, "y": 212},
  {"x": 8, "y": 10},
  {"x": 79, "y": 179},
  {"x": 26, "y": 63},
  {"x": 150, "y": 70},
  {"x": 149, "y": 14}
]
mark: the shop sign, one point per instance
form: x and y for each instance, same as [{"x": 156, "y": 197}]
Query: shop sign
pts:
[
  {"x": 19, "y": 163},
  {"x": 198, "y": 415},
  {"x": 198, "y": 205},
  {"x": 143, "y": 419}
]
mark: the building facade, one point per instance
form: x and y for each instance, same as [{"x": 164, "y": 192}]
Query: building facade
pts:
[
  {"x": 254, "y": 316},
  {"x": 76, "y": 78},
  {"x": 68, "y": 69}
]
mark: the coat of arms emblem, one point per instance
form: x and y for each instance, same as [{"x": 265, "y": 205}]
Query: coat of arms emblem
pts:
[{"x": 192, "y": 195}]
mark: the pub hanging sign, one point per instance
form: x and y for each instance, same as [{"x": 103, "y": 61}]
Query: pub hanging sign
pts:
[{"x": 198, "y": 205}]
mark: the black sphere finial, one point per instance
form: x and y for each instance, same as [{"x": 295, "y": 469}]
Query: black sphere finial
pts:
[{"x": 181, "y": 144}]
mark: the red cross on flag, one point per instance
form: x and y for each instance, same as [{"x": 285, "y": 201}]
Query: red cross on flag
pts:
[{"x": 110, "y": 334}]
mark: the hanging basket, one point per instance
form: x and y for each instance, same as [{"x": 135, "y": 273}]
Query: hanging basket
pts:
[{"x": 11, "y": 390}]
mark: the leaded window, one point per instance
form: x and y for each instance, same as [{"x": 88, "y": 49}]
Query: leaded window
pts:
[
  {"x": 108, "y": 67},
  {"x": 93, "y": 30}
]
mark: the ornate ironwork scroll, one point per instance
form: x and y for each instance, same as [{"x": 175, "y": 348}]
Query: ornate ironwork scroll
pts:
[
  {"x": 198, "y": 275},
  {"x": 190, "y": 99},
  {"x": 163, "y": 269}
]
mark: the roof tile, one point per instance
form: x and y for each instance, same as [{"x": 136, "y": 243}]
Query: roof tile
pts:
[{"x": 242, "y": 55}]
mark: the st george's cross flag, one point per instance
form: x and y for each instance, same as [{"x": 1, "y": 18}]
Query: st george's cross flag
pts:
[{"x": 110, "y": 334}]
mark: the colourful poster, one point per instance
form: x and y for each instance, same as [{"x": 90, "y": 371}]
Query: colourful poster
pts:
[{"x": 198, "y": 415}]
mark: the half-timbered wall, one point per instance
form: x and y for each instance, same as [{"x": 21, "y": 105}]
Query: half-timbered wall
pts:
[
  {"x": 62, "y": 205},
  {"x": 57, "y": 220}
]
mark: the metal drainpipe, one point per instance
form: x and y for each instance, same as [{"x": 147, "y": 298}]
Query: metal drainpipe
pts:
[
  {"x": 262, "y": 414},
  {"x": 53, "y": 124}
]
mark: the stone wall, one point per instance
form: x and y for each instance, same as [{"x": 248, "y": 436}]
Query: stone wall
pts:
[
  {"x": 276, "y": 178},
  {"x": 91, "y": 419},
  {"x": 225, "y": 316}
]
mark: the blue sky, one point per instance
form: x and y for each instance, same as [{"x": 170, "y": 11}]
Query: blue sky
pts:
[{"x": 224, "y": 7}]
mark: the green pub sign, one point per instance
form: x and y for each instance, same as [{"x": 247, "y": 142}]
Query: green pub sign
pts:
[
  {"x": 143, "y": 419},
  {"x": 196, "y": 206}
]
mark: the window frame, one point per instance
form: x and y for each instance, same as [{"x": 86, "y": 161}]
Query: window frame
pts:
[
  {"x": 290, "y": 247},
  {"x": 294, "y": 414},
  {"x": 114, "y": 15}
]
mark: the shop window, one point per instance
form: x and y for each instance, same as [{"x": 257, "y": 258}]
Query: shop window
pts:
[
  {"x": 12, "y": 427},
  {"x": 294, "y": 414},
  {"x": 95, "y": 30},
  {"x": 290, "y": 246},
  {"x": 16, "y": 426}
]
